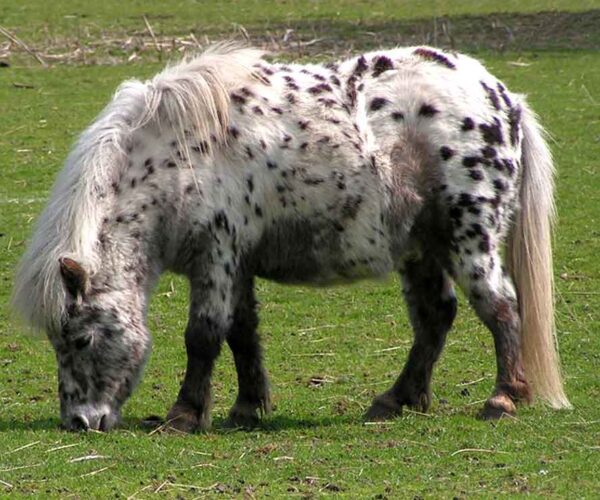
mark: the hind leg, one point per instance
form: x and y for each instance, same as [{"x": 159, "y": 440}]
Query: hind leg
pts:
[
  {"x": 432, "y": 307},
  {"x": 253, "y": 397},
  {"x": 493, "y": 296}
]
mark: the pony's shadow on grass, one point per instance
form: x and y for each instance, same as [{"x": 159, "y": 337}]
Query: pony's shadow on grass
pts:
[
  {"x": 270, "y": 425},
  {"x": 279, "y": 423},
  {"x": 282, "y": 423},
  {"x": 41, "y": 424},
  {"x": 274, "y": 424}
]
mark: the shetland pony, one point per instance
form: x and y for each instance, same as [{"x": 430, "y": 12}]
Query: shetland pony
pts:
[{"x": 225, "y": 167}]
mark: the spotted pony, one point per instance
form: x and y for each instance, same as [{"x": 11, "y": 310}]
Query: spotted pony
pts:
[{"x": 226, "y": 166}]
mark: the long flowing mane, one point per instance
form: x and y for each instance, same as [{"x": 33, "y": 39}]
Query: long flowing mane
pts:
[{"x": 190, "y": 95}]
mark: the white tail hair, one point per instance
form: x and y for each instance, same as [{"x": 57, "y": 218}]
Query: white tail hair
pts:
[
  {"x": 191, "y": 95},
  {"x": 529, "y": 258}
]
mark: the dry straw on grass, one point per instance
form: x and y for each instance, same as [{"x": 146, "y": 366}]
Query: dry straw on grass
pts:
[{"x": 120, "y": 47}]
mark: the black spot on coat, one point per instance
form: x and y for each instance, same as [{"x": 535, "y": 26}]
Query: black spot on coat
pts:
[
  {"x": 476, "y": 175},
  {"x": 488, "y": 152},
  {"x": 467, "y": 124},
  {"x": 432, "y": 55},
  {"x": 381, "y": 64},
  {"x": 377, "y": 103},
  {"x": 492, "y": 96},
  {"x": 492, "y": 134},
  {"x": 470, "y": 161},
  {"x": 238, "y": 99},
  {"x": 427, "y": 110},
  {"x": 514, "y": 121},
  {"x": 318, "y": 89},
  {"x": 446, "y": 153},
  {"x": 361, "y": 66}
]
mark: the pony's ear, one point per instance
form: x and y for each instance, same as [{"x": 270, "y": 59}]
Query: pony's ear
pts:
[{"x": 74, "y": 276}]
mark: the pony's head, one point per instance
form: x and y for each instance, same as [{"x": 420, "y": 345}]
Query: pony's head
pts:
[{"x": 101, "y": 347}]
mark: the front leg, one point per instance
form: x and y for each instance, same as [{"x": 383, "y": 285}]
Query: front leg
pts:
[
  {"x": 203, "y": 338},
  {"x": 209, "y": 321},
  {"x": 253, "y": 400}
]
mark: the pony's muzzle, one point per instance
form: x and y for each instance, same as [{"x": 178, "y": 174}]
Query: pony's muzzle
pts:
[{"x": 82, "y": 420}]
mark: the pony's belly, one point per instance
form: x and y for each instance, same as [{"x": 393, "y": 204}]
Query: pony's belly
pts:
[
  {"x": 302, "y": 252},
  {"x": 322, "y": 275}
]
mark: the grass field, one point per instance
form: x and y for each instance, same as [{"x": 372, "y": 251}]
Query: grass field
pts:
[{"x": 328, "y": 350}]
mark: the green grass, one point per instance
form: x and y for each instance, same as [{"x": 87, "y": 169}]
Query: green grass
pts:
[{"x": 315, "y": 443}]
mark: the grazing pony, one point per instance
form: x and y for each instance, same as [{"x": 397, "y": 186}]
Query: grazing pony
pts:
[{"x": 225, "y": 167}]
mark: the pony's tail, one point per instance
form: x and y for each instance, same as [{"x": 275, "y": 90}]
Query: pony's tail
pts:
[{"x": 529, "y": 258}]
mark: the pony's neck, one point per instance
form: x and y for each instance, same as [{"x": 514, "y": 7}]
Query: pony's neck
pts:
[{"x": 127, "y": 264}]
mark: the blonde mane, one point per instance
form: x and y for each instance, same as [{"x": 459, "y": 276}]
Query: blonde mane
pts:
[{"x": 190, "y": 95}]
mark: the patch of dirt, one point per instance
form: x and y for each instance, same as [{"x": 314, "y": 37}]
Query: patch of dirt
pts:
[
  {"x": 316, "y": 39},
  {"x": 499, "y": 32}
]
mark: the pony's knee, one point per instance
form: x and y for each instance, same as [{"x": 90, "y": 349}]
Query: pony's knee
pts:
[
  {"x": 204, "y": 337},
  {"x": 431, "y": 297},
  {"x": 447, "y": 311}
]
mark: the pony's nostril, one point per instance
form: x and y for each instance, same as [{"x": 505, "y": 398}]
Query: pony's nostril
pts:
[
  {"x": 103, "y": 425},
  {"x": 79, "y": 423}
]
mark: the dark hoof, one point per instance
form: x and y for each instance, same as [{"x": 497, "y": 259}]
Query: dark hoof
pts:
[
  {"x": 389, "y": 405},
  {"x": 384, "y": 407},
  {"x": 497, "y": 407},
  {"x": 184, "y": 418},
  {"x": 246, "y": 415},
  {"x": 240, "y": 420},
  {"x": 152, "y": 422}
]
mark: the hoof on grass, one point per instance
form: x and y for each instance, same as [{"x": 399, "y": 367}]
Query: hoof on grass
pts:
[
  {"x": 389, "y": 405},
  {"x": 498, "y": 406},
  {"x": 247, "y": 415},
  {"x": 152, "y": 422},
  {"x": 242, "y": 417},
  {"x": 184, "y": 418},
  {"x": 384, "y": 407}
]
